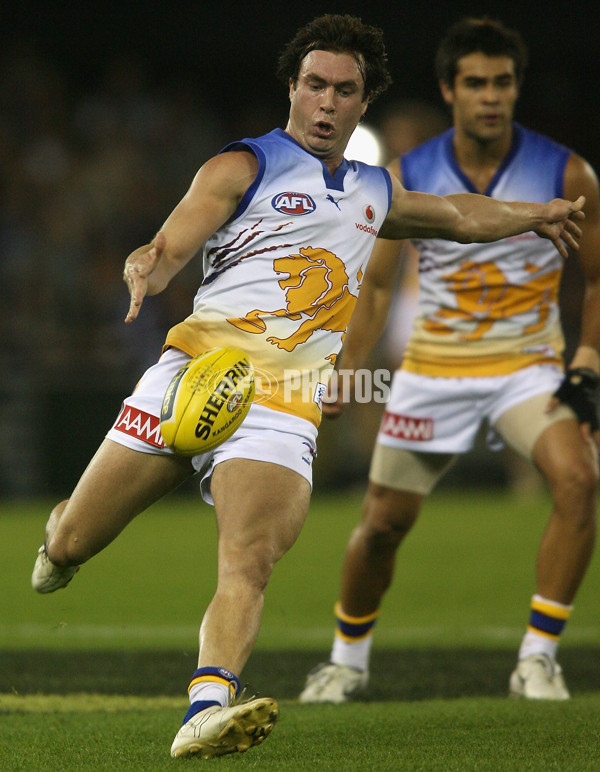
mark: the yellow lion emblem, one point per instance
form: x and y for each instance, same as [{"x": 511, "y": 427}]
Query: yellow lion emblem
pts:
[
  {"x": 316, "y": 295},
  {"x": 484, "y": 296}
]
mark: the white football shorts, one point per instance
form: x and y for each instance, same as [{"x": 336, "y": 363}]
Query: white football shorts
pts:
[
  {"x": 265, "y": 435},
  {"x": 443, "y": 415}
]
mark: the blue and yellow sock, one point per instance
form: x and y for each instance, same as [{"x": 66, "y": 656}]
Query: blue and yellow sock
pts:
[
  {"x": 353, "y": 629},
  {"x": 547, "y": 620},
  {"x": 211, "y": 686},
  {"x": 353, "y": 638}
]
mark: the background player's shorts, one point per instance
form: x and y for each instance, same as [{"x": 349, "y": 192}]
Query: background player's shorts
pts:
[
  {"x": 428, "y": 421},
  {"x": 265, "y": 435},
  {"x": 443, "y": 415}
]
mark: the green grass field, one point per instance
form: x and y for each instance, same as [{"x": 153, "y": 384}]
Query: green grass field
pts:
[{"x": 94, "y": 677}]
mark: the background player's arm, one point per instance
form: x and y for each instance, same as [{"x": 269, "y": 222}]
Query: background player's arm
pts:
[
  {"x": 472, "y": 218},
  {"x": 369, "y": 317},
  {"x": 372, "y": 307},
  {"x": 374, "y": 299},
  {"x": 213, "y": 197},
  {"x": 579, "y": 176}
]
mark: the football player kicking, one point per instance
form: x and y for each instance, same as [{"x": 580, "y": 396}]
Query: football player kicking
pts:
[
  {"x": 281, "y": 274},
  {"x": 486, "y": 347}
]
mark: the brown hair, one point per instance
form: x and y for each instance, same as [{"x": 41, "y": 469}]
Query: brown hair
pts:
[
  {"x": 340, "y": 34},
  {"x": 485, "y": 35}
]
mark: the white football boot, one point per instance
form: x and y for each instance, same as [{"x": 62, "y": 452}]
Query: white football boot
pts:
[
  {"x": 216, "y": 731},
  {"x": 48, "y": 577},
  {"x": 538, "y": 677},
  {"x": 334, "y": 683}
]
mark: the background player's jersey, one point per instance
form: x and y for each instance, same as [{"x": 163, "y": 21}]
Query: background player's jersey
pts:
[
  {"x": 487, "y": 309},
  {"x": 281, "y": 277}
]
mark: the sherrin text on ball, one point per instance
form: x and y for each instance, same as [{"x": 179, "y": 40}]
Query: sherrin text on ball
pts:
[{"x": 207, "y": 400}]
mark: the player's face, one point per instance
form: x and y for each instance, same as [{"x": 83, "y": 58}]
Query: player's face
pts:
[
  {"x": 484, "y": 96},
  {"x": 326, "y": 104}
]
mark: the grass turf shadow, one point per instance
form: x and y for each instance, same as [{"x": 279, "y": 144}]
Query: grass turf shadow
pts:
[{"x": 403, "y": 674}]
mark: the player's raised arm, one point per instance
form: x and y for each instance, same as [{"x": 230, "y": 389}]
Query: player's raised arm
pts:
[
  {"x": 469, "y": 218},
  {"x": 212, "y": 198}
]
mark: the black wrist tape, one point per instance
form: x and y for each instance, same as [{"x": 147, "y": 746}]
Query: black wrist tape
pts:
[{"x": 578, "y": 390}]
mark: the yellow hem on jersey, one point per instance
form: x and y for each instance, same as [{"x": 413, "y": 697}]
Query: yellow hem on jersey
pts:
[
  {"x": 473, "y": 367},
  {"x": 296, "y": 404},
  {"x": 454, "y": 357}
]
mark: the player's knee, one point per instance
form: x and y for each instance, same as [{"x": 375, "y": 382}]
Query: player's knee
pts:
[
  {"x": 574, "y": 490},
  {"x": 388, "y": 515},
  {"x": 65, "y": 549},
  {"x": 577, "y": 479},
  {"x": 379, "y": 539},
  {"x": 249, "y": 568},
  {"x": 381, "y": 531}
]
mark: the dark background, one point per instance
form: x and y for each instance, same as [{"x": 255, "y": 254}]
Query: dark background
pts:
[
  {"x": 227, "y": 54},
  {"x": 106, "y": 112}
]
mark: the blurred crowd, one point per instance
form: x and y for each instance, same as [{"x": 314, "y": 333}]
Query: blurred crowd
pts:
[
  {"x": 84, "y": 179},
  {"x": 86, "y": 176}
]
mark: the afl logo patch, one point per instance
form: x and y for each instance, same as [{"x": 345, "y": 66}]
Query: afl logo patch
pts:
[
  {"x": 369, "y": 213},
  {"x": 234, "y": 401},
  {"x": 293, "y": 203}
]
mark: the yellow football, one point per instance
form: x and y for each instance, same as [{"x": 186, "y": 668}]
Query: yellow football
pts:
[{"x": 207, "y": 400}]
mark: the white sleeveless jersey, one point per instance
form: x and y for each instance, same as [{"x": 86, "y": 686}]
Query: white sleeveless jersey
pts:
[
  {"x": 487, "y": 309},
  {"x": 281, "y": 277}
]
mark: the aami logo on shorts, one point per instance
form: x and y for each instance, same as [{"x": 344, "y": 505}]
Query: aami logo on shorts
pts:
[
  {"x": 406, "y": 427},
  {"x": 293, "y": 203},
  {"x": 142, "y": 425}
]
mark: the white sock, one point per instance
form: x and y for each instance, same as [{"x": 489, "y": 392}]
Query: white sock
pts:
[
  {"x": 212, "y": 692},
  {"x": 533, "y": 643},
  {"x": 355, "y": 654}
]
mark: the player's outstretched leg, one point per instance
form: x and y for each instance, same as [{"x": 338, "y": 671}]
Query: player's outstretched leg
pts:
[{"x": 118, "y": 484}]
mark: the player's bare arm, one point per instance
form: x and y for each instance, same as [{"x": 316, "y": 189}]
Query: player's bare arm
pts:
[
  {"x": 212, "y": 198},
  {"x": 376, "y": 292},
  {"x": 371, "y": 311},
  {"x": 581, "y": 380},
  {"x": 471, "y": 218},
  {"x": 370, "y": 314},
  {"x": 579, "y": 176}
]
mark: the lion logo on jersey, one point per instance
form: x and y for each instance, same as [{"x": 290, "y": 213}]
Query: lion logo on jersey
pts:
[
  {"x": 316, "y": 295},
  {"x": 485, "y": 296}
]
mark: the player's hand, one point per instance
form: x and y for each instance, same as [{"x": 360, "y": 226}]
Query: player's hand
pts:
[
  {"x": 338, "y": 394},
  {"x": 561, "y": 226},
  {"x": 138, "y": 267},
  {"x": 332, "y": 409},
  {"x": 333, "y": 404}
]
